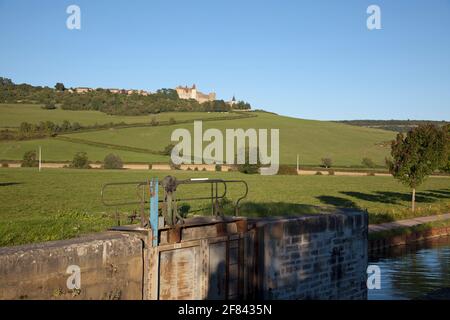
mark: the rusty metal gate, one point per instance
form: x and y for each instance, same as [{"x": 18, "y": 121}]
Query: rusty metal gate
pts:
[{"x": 208, "y": 268}]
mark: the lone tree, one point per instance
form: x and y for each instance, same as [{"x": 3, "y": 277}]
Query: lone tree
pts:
[
  {"x": 327, "y": 162},
  {"x": 247, "y": 167},
  {"x": 60, "y": 86},
  {"x": 368, "y": 163},
  {"x": 112, "y": 161},
  {"x": 30, "y": 159},
  {"x": 49, "y": 106},
  {"x": 80, "y": 161},
  {"x": 416, "y": 156}
]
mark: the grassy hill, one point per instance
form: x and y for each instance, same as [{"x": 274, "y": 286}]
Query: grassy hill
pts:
[
  {"x": 11, "y": 115},
  {"x": 313, "y": 140}
]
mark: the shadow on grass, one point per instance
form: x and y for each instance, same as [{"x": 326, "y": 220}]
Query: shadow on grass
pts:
[
  {"x": 5, "y": 184},
  {"x": 340, "y": 202},
  {"x": 443, "y": 192},
  {"x": 391, "y": 197},
  {"x": 272, "y": 209}
]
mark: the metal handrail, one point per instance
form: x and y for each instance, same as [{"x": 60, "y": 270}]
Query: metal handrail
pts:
[
  {"x": 104, "y": 187},
  {"x": 140, "y": 191}
]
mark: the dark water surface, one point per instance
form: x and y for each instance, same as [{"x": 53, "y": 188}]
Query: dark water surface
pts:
[{"x": 413, "y": 271}]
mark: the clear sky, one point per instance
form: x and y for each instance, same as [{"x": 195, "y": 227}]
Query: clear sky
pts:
[{"x": 309, "y": 59}]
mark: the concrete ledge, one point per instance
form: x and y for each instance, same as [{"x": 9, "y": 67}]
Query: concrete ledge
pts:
[{"x": 110, "y": 263}]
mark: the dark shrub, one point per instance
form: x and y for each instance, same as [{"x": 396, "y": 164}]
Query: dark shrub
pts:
[
  {"x": 154, "y": 122},
  {"x": 112, "y": 161},
  {"x": 318, "y": 173},
  {"x": 331, "y": 172},
  {"x": 168, "y": 149},
  {"x": 5, "y": 165},
  {"x": 183, "y": 209},
  {"x": 368, "y": 163},
  {"x": 49, "y": 106},
  {"x": 150, "y": 166},
  {"x": 30, "y": 159},
  {"x": 248, "y": 168},
  {"x": 327, "y": 162},
  {"x": 80, "y": 161},
  {"x": 218, "y": 167}
]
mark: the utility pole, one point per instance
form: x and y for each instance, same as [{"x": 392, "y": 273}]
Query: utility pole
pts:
[{"x": 40, "y": 158}]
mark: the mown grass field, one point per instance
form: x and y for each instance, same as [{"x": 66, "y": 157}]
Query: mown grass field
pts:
[
  {"x": 63, "y": 203},
  {"x": 312, "y": 140},
  {"x": 57, "y": 150},
  {"x": 11, "y": 115}
]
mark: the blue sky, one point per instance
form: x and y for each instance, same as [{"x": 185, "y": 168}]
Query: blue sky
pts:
[{"x": 308, "y": 59}]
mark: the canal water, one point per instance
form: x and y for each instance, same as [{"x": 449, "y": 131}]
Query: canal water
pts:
[{"x": 420, "y": 270}]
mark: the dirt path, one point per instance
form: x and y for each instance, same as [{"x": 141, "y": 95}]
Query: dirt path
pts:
[
  {"x": 162, "y": 166},
  {"x": 407, "y": 223}
]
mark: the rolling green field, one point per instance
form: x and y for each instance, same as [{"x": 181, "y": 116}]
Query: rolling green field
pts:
[
  {"x": 57, "y": 150},
  {"x": 11, "y": 115},
  {"x": 312, "y": 140},
  {"x": 63, "y": 203}
]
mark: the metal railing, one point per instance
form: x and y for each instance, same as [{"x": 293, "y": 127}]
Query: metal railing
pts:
[{"x": 143, "y": 189}]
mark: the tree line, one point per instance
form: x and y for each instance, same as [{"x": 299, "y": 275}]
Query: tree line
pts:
[
  {"x": 42, "y": 129},
  {"x": 393, "y": 125},
  {"x": 164, "y": 100}
]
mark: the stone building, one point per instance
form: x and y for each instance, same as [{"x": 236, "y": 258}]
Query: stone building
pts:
[
  {"x": 232, "y": 102},
  {"x": 192, "y": 93},
  {"x": 82, "y": 89}
]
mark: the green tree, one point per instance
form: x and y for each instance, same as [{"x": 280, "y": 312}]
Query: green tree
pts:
[
  {"x": 30, "y": 159},
  {"x": 112, "y": 161},
  {"x": 5, "y": 82},
  {"x": 368, "y": 163},
  {"x": 66, "y": 126},
  {"x": 327, "y": 162},
  {"x": 170, "y": 94},
  {"x": 25, "y": 129},
  {"x": 49, "y": 106},
  {"x": 417, "y": 156},
  {"x": 168, "y": 149},
  {"x": 154, "y": 122},
  {"x": 446, "y": 166},
  {"x": 80, "y": 161},
  {"x": 59, "y": 86},
  {"x": 76, "y": 126},
  {"x": 247, "y": 167}
]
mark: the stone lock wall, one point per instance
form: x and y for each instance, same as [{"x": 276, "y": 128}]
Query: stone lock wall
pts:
[
  {"x": 320, "y": 257},
  {"x": 110, "y": 268},
  {"x": 309, "y": 257}
]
